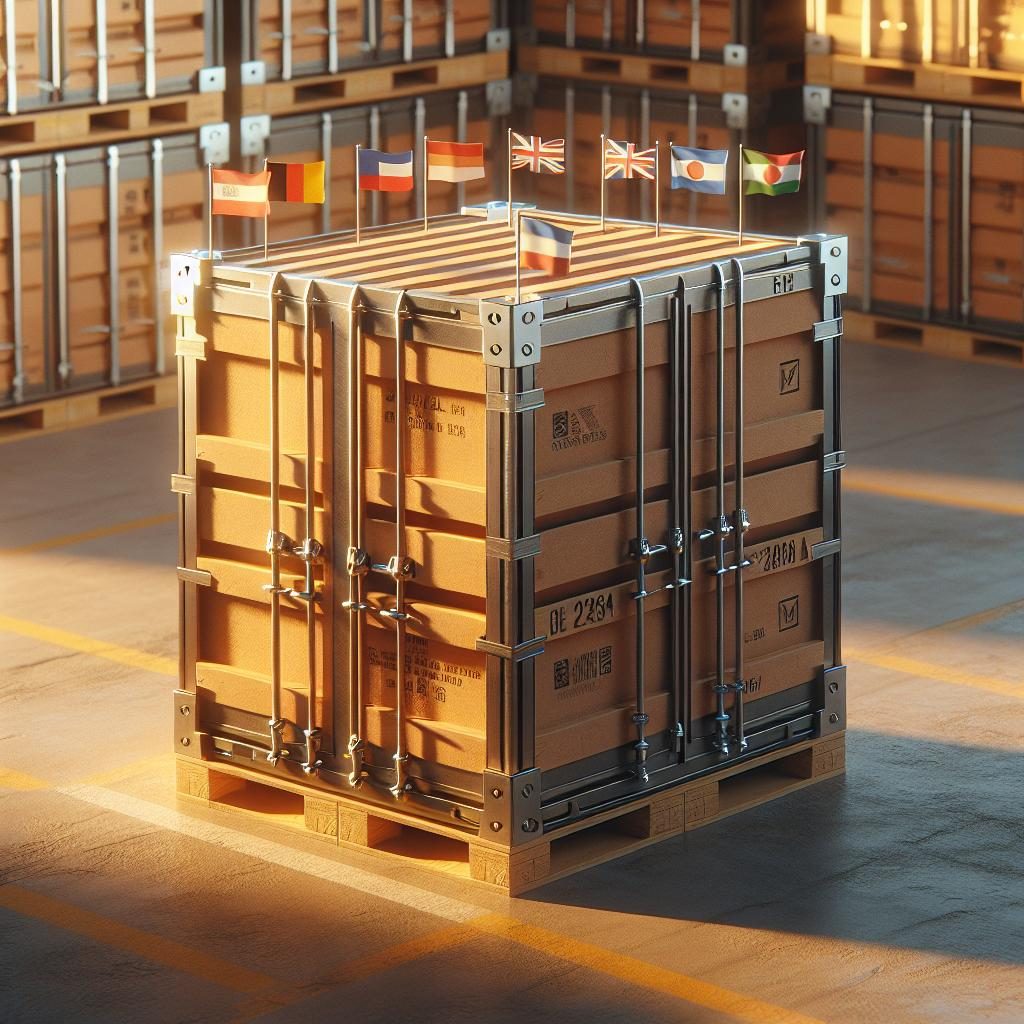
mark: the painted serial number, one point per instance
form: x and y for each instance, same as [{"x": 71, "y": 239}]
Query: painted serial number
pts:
[{"x": 586, "y": 611}]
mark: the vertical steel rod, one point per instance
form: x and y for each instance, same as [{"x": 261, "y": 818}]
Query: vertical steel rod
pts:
[
  {"x": 11, "y": 55},
  {"x": 602, "y": 182},
  {"x": 113, "y": 258},
  {"x": 286, "y": 40},
  {"x": 102, "y": 56},
  {"x": 17, "y": 325},
  {"x": 929, "y": 209},
  {"x": 64, "y": 367},
  {"x": 509, "y": 151},
  {"x": 965, "y": 215},
  {"x": 157, "y": 228},
  {"x": 149, "y": 46},
  {"x": 358, "y": 147},
  {"x": 869, "y": 207},
  {"x": 739, "y": 521},
  {"x": 678, "y": 460}
]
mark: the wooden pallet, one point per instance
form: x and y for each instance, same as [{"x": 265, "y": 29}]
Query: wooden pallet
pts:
[
  {"x": 613, "y": 68},
  {"x": 283, "y": 800},
  {"x": 108, "y": 123},
  {"x": 374, "y": 84},
  {"x": 940, "y": 82},
  {"x": 84, "y": 408},
  {"x": 935, "y": 339}
]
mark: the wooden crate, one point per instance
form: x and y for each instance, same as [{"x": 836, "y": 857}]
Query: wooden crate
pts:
[{"x": 395, "y": 837}]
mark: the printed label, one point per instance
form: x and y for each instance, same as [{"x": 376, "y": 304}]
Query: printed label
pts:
[
  {"x": 789, "y": 377},
  {"x": 580, "y": 674},
  {"x": 789, "y": 613},
  {"x": 584, "y": 612},
  {"x": 776, "y": 555},
  {"x": 425, "y": 676},
  {"x": 574, "y": 428},
  {"x": 430, "y": 412}
]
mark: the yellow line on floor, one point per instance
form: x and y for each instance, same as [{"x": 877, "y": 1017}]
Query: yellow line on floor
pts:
[
  {"x": 938, "y": 673},
  {"x": 132, "y": 940},
  {"x": 128, "y": 771},
  {"x": 357, "y": 970},
  {"x": 11, "y": 779},
  {"x": 67, "y": 539},
  {"x": 638, "y": 972},
  {"x": 87, "y": 645},
  {"x": 998, "y": 496}
]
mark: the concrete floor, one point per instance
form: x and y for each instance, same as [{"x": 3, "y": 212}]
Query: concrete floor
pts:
[{"x": 893, "y": 895}]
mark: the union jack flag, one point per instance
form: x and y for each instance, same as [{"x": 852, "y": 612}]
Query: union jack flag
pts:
[
  {"x": 540, "y": 157},
  {"x": 624, "y": 160}
]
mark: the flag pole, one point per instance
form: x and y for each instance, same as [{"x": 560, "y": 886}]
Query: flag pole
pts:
[
  {"x": 209, "y": 212},
  {"x": 266, "y": 218},
  {"x": 602, "y": 181},
  {"x": 657, "y": 188},
  {"x": 358, "y": 147},
  {"x": 519, "y": 228},
  {"x": 510, "y": 177},
  {"x": 426, "y": 187},
  {"x": 740, "y": 197}
]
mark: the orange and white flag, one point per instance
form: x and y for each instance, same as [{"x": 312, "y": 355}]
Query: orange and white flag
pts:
[{"x": 240, "y": 195}]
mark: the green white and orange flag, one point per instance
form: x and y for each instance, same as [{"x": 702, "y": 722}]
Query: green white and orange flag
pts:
[
  {"x": 771, "y": 174},
  {"x": 296, "y": 183}
]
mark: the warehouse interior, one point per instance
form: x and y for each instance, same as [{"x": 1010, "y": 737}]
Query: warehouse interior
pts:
[{"x": 879, "y": 884}]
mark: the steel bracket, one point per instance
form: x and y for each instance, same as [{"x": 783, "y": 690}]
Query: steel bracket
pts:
[
  {"x": 255, "y": 131},
  {"x": 518, "y": 652},
  {"x": 511, "y": 811},
  {"x": 499, "y": 97},
  {"x": 200, "y": 577},
  {"x": 187, "y": 274},
  {"x": 833, "y": 251},
  {"x": 513, "y": 550},
  {"x": 817, "y": 103},
  {"x": 826, "y": 548},
  {"x": 186, "y": 739},
  {"x": 521, "y": 401},
  {"x": 737, "y": 108},
  {"x": 818, "y": 43},
  {"x": 511, "y": 333},
  {"x": 826, "y": 330},
  {"x": 254, "y": 72},
  {"x": 498, "y": 40},
  {"x": 833, "y": 461},
  {"x": 734, "y": 55},
  {"x": 215, "y": 142},
  {"x": 182, "y": 484},
  {"x": 832, "y": 717},
  {"x": 212, "y": 79}
]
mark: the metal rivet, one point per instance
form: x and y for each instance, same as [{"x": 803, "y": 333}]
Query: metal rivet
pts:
[
  {"x": 185, "y": 741},
  {"x": 833, "y": 687},
  {"x": 527, "y": 350},
  {"x": 494, "y": 318},
  {"x": 495, "y": 826},
  {"x": 529, "y": 317},
  {"x": 185, "y": 710},
  {"x": 496, "y": 793},
  {"x": 836, "y": 251},
  {"x": 833, "y": 718},
  {"x": 530, "y": 825},
  {"x": 836, "y": 279},
  {"x": 528, "y": 789},
  {"x": 495, "y": 350}
]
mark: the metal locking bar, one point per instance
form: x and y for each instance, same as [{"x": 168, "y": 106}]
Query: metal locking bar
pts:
[
  {"x": 408, "y": 13},
  {"x": 965, "y": 215},
  {"x": 332, "y": 38},
  {"x": 149, "y": 49},
  {"x": 372, "y": 26},
  {"x": 56, "y": 50},
  {"x": 17, "y": 299},
  {"x": 114, "y": 259},
  {"x": 157, "y": 229},
  {"x": 641, "y": 24},
  {"x": 286, "y": 40},
  {"x": 720, "y": 529},
  {"x": 449, "y": 34},
  {"x": 740, "y": 521},
  {"x": 326, "y": 154},
  {"x": 276, "y": 541},
  {"x": 929, "y": 203},
  {"x": 60, "y": 167},
  {"x": 869, "y": 209},
  {"x": 358, "y": 561},
  {"x": 695, "y": 30},
  {"x": 11, "y": 55},
  {"x": 102, "y": 55}
]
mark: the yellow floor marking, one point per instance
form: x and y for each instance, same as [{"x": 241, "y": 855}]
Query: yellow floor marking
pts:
[
  {"x": 939, "y": 673},
  {"x": 100, "y": 531},
  {"x": 637, "y": 972},
  {"x": 128, "y": 771},
  {"x": 356, "y": 970},
  {"x": 11, "y": 779},
  {"x": 87, "y": 645},
  {"x": 1002, "y": 497},
  {"x": 133, "y": 940}
]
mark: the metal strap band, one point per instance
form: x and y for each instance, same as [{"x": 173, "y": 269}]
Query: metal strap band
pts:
[
  {"x": 834, "y": 460},
  {"x": 198, "y": 576},
  {"x": 826, "y": 330},
  {"x": 521, "y": 401},
  {"x": 520, "y": 652},
  {"x": 825, "y": 548},
  {"x": 182, "y": 484},
  {"x": 513, "y": 550}
]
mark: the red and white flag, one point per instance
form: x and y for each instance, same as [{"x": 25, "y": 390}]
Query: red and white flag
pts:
[
  {"x": 235, "y": 194},
  {"x": 540, "y": 157}
]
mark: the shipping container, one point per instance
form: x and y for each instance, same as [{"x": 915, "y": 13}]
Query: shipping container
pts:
[
  {"x": 77, "y": 51},
  {"x": 966, "y": 33},
  {"x": 734, "y": 31},
  {"x": 935, "y": 193},
  {"x": 505, "y": 565},
  {"x": 84, "y": 241},
  {"x": 580, "y": 112},
  {"x": 284, "y": 39}
]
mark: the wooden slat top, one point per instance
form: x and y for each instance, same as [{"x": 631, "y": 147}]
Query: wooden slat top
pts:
[{"x": 467, "y": 256}]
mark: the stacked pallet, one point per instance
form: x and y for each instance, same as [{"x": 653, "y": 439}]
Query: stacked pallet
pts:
[{"x": 920, "y": 158}]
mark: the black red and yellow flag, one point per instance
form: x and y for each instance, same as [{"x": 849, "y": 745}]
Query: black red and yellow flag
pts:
[{"x": 296, "y": 183}]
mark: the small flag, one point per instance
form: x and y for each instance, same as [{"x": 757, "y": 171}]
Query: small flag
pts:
[
  {"x": 385, "y": 172},
  {"x": 700, "y": 170},
  {"x": 235, "y": 194},
  {"x": 771, "y": 174},
  {"x": 296, "y": 183},
  {"x": 542, "y": 246},
  {"x": 540, "y": 157},
  {"x": 455, "y": 161},
  {"x": 624, "y": 160}
]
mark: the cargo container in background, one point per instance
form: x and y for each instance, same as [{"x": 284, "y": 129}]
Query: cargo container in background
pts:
[{"x": 521, "y": 576}]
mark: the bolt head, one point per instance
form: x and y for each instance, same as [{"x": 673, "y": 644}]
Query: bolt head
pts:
[
  {"x": 833, "y": 687},
  {"x": 495, "y": 349},
  {"x": 836, "y": 279},
  {"x": 185, "y": 710},
  {"x": 495, "y": 826},
  {"x": 496, "y": 793},
  {"x": 528, "y": 789},
  {"x": 530, "y": 825},
  {"x": 527, "y": 350},
  {"x": 836, "y": 251},
  {"x": 185, "y": 741},
  {"x": 833, "y": 718}
]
